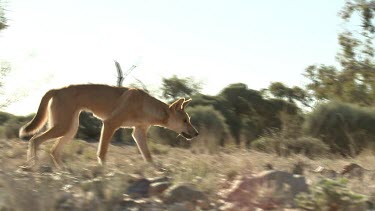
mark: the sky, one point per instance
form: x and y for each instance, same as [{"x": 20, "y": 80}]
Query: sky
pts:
[{"x": 51, "y": 44}]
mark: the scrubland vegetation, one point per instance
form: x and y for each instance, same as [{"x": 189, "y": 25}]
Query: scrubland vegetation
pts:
[{"x": 321, "y": 136}]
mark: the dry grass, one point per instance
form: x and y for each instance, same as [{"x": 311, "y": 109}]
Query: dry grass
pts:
[{"x": 208, "y": 172}]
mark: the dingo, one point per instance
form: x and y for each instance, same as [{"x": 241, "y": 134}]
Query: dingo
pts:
[{"x": 115, "y": 106}]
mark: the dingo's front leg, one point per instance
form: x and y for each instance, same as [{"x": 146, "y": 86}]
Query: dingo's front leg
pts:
[
  {"x": 140, "y": 137},
  {"x": 105, "y": 138}
]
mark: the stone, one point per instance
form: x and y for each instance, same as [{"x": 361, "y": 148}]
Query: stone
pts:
[
  {"x": 246, "y": 191},
  {"x": 182, "y": 193},
  {"x": 139, "y": 188},
  {"x": 45, "y": 169},
  {"x": 158, "y": 188}
]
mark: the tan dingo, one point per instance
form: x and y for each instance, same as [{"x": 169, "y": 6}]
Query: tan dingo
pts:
[{"x": 115, "y": 106}]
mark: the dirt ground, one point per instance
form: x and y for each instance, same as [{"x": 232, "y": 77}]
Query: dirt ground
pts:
[{"x": 209, "y": 173}]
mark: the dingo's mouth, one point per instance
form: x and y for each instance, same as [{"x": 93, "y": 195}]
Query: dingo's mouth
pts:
[{"x": 187, "y": 136}]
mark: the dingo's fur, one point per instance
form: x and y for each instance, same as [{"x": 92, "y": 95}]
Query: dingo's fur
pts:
[{"x": 115, "y": 106}]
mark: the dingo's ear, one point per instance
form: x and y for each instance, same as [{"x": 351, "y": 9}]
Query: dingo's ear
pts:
[
  {"x": 185, "y": 103},
  {"x": 177, "y": 104}
]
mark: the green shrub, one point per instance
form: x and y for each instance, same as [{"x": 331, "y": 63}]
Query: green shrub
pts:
[
  {"x": 213, "y": 131},
  {"x": 4, "y": 117},
  {"x": 89, "y": 127},
  {"x": 308, "y": 146},
  {"x": 10, "y": 124},
  {"x": 266, "y": 144},
  {"x": 330, "y": 194},
  {"x": 13, "y": 124},
  {"x": 2, "y": 132},
  {"x": 345, "y": 128},
  {"x": 167, "y": 137},
  {"x": 210, "y": 123}
]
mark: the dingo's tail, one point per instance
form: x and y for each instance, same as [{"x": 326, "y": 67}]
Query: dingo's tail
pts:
[{"x": 40, "y": 118}]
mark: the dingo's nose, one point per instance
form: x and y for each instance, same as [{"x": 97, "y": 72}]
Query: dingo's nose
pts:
[{"x": 196, "y": 134}]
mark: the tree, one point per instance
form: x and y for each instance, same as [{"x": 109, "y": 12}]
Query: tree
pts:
[
  {"x": 293, "y": 94},
  {"x": 247, "y": 114},
  {"x": 213, "y": 131},
  {"x": 4, "y": 66},
  {"x": 4, "y": 70},
  {"x": 354, "y": 81},
  {"x": 347, "y": 129},
  {"x": 3, "y": 20},
  {"x": 174, "y": 88}
]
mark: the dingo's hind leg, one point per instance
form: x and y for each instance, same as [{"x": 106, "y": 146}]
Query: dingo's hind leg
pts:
[
  {"x": 52, "y": 133},
  {"x": 60, "y": 126},
  {"x": 57, "y": 148}
]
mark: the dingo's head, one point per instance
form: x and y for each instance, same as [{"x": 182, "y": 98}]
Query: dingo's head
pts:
[{"x": 179, "y": 120}]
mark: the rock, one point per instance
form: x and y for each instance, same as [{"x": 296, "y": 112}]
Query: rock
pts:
[
  {"x": 158, "y": 188},
  {"x": 182, "y": 193},
  {"x": 159, "y": 179},
  {"x": 227, "y": 206},
  {"x": 139, "y": 188},
  {"x": 128, "y": 204},
  {"x": 247, "y": 191},
  {"x": 182, "y": 206},
  {"x": 296, "y": 183},
  {"x": 142, "y": 187},
  {"x": 353, "y": 170},
  {"x": 45, "y": 169},
  {"x": 325, "y": 172},
  {"x": 65, "y": 202},
  {"x": 204, "y": 204}
]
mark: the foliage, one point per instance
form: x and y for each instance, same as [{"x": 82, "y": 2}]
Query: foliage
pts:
[
  {"x": 291, "y": 94},
  {"x": 346, "y": 128},
  {"x": 3, "y": 21},
  {"x": 330, "y": 194},
  {"x": 266, "y": 144},
  {"x": 4, "y": 117},
  {"x": 210, "y": 123},
  {"x": 354, "y": 82},
  {"x": 307, "y": 146},
  {"x": 246, "y": 112},
  {"x": 174, "y": 87},
  {"x": 5, "y": 68},
  {"x": 11, "y": 124},
  {"x": 89, "y": 127},
  {"x": 204, "y": 118},
  {"x": 167, "y": 137}
]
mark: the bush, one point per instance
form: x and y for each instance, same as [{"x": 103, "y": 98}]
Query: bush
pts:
[
  {"x": 266, "y": 144},
  {"x": 12, "y": 124},
  {"x": 167, "y": 137},
  {"x": 4, "y": 117},
  {"x": 89, "y": 127},
  {"x": 330, "y": 194},
  {"x": 308, "y": 146},
  {"x": 345, "y": 128},
  {"x": 211, "y": 125},
  {"x": 213, "y": 131}
]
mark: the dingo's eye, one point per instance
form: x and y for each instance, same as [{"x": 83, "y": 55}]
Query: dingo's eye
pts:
[{"x": 185, "y": 120}]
